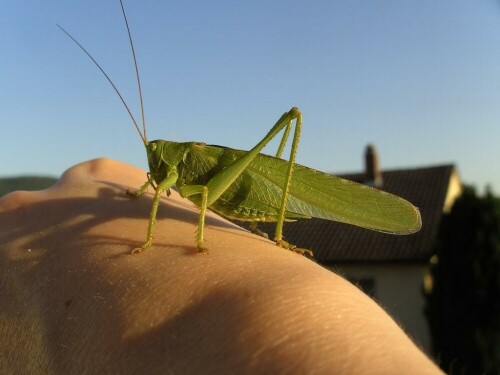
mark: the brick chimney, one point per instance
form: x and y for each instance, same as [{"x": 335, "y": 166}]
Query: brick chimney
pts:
[{"x": 372, "y": 169}]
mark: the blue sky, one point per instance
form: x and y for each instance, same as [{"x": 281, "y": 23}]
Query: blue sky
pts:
[{"x": 420, "y": 79}]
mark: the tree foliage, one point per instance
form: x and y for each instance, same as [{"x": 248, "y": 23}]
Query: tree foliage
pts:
[{"x": 464, "y": 306}]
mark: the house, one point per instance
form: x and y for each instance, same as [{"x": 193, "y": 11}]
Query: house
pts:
[{"x": 392, "y": 269}]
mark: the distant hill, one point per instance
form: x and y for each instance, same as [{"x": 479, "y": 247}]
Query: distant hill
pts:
[{"x": 28, "y": 183}]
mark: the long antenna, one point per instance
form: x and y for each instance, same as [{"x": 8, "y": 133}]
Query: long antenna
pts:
[
  {"x": 109, "y": 80},
  {"x": 136, "y": 71}
]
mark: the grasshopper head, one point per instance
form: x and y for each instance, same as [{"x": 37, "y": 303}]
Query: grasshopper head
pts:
[
  {"x": 164, "y": 155},
  {"x": 155, "y": 161}
]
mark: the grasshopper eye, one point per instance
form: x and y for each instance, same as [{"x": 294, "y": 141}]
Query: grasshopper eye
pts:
[{"x": 152, "y": 146}]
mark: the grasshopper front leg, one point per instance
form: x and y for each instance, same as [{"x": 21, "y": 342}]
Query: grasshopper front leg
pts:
[
  {"x": 140, "y": 191},
  {"x": 166, "y": 184}
]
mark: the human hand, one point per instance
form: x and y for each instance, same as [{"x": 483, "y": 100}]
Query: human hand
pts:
[{"x": 74, "y": 300}]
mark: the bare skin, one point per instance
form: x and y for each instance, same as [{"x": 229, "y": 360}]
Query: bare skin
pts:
[{"x": 74, "y": 300}]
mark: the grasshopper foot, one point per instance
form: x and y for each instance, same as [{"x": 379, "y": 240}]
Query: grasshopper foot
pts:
[
  {"x": 139, "y": 250},
  {"x": 295, "y": 249},
  {"x": 202, "y": 249},
  {"x": 255, "y": 230},
  {"x": 302, "y": 251},
  {"x": 132, "y": 193}
]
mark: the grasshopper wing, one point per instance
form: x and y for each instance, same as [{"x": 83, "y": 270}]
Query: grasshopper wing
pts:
[
  {"x": 325, "y": 196},
  {"x": 312, "y": 194}
]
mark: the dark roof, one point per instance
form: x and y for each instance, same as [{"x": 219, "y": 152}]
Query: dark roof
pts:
[{"x": 426, "y": 188}]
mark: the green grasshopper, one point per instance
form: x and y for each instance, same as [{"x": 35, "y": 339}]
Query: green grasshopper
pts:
[{"x": 254, "y": 187}]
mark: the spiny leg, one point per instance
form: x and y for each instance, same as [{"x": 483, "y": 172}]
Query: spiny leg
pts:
[
  {"x": 254, "y": 224},
  {"x": 219, "y": 183},
  {"x": 284, "y": 139},
  {"x": 201, "y": 220},
  {"x": 164, "y": 185},
  {"x": 278, "y": 237},
  {"x": 188, "y": 190}
]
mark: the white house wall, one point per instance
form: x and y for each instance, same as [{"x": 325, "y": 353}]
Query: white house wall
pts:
[{"x": 398, "y": 289}]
